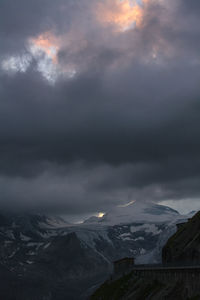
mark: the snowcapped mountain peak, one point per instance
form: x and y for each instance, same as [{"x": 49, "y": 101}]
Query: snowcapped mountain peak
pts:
[{"x": 137, "y": 211}]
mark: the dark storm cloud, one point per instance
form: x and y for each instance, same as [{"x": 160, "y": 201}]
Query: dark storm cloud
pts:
[
  {"x": 193, "y": 6},
  {"x": 125, "y": 127},
  {"x": 22, "y": 18}
]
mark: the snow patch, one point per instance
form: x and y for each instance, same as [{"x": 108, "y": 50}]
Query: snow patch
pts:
[
  {"x": 24, "y": 237},
  {"x": 140, "y": 238},
  {"x": 46, "y": 246},
  {"x": 125, "y": 236},
  {"x": 147, "y": 228}
]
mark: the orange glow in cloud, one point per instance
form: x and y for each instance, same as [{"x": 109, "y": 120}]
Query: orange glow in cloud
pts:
[
  {"x": 122, "y": 13},
  {"x": 48, "y": 64},
  {"x": 48, "y": 44}
]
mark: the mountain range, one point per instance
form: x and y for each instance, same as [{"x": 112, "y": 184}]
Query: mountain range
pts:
[{"x": 53, "y": 259}]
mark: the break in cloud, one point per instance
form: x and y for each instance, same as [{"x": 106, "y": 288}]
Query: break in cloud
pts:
[{"x": 99, "y": 103}]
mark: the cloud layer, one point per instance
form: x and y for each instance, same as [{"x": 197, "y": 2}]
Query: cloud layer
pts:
[{"x": 95, "y": 116}]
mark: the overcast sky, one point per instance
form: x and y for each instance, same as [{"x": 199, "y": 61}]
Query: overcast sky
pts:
[{"x": 99, "y": 103}]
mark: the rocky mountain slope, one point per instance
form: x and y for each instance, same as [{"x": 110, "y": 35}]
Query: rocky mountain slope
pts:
[{"x": 184, "y": 246}]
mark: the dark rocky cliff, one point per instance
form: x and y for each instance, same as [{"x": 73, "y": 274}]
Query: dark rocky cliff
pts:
[{"x": 183, "y": 248}]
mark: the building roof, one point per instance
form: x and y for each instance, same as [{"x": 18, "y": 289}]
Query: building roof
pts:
[{"x": 124, "y": 259}]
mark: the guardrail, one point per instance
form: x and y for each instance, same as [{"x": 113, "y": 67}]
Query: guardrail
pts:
[{"x": 190, "y": 275}]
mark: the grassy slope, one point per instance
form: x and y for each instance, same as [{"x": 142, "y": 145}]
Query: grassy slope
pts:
[{"x": 129, "y": 287}]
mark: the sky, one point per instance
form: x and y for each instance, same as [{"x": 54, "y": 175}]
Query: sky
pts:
[{"x": 99, "y": 104}]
